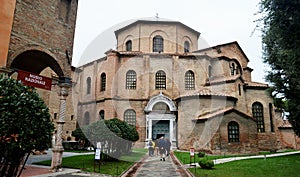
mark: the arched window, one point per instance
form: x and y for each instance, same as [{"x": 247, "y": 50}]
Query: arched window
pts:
[
  {"x": 258, "y": 114},
  {"x": 186, "y": 47},
  {"x": 128, "y": 45},
  {"x": 86, "y": 118},
  {"x": 88, "y": 85},
  {"x": 101, "y": 114},
  {"x": 130, "y": 117},
  {"x": 160, "y": 80},
  {"x": 131, "y": 80},
  {"x": 102, "y": 82},
  {"x": 189, "y": 80},
  {"x": 209, "y": 71},
  {"x": 158, "y": 44},
  {"x": 233, "y": 132}
]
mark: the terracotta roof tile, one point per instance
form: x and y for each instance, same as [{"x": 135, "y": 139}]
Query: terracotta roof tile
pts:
[
  {"x": 256, "y": 84},
  {"x": 204, "y": 92},
  {"x": 222, "y": 79},
  {"x": 285, "y": 125},
  {"x": 213, "y": 114},
  {"x": 221, "y": 112}
]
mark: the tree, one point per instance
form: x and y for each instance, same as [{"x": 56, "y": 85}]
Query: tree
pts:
[
  {"x": 25, "y": 125},
  {"x": 281, "y": 47},
  {"x": 115, "y": 134}
]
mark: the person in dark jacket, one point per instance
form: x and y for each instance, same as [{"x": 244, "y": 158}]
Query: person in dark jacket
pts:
[
  {"x": 168, "y": 147},
  {"x": 162, "y": 148}
]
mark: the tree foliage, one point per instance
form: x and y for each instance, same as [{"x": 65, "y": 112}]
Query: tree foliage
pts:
[
  {"x": 116, "y": 136},
  {"x": 281, "y": 47},
  {"x": 25, "y": 124}
]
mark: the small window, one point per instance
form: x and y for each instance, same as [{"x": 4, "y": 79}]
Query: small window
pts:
[
  {"x": 258, "y": 114},
  {"x": 86, "y": 118},
  {"x": 88, "y": 85},
  {"x": 130, "y": 117},
  {"x": 240, "y": 90},
  {"x": 129, "y": 45},
  {"x": 131, "y": 80},
  {"x": 101, "y": 114},
  {"x": 186, "y": 47},
  {"x": 271, "y": 116},
  {"x": 209, "y": 71},
  {"x": 158, "y": 44},
  {"x": 102, "y": 82},
  {"x": 160, "y": 80},
  {"x": 233, "y": 132},
  {"x": 189, "y": 80}
]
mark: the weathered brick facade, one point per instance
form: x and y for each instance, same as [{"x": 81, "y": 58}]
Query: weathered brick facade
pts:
[
  {"x": 41, "y": 41},
  {"x": 208, "y": 100}
]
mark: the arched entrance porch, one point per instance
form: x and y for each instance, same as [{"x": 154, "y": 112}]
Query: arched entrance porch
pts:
[{"x": 161, "y": 119}]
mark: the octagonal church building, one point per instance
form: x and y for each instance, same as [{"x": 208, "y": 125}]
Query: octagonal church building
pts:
[{"x": 160, "y": 82}]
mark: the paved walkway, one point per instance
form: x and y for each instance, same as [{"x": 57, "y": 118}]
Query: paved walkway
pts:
[
  {"x": 152, "y": 166},
  {"x": 148, "y": 166}
]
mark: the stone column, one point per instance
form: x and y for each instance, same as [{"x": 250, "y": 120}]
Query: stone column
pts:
[
  {"x": 171, "y": 129},
  {"x": 58, "y": 149}
]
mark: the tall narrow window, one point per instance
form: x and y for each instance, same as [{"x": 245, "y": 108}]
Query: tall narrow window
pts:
[
  {"x": 240, "y": 90},
  {"x": 271, "y": 116},
  {"x": 158, "y": 44},
  {"x": 131, "y": 80},
  {"x": 160, "y": 80},
  {"x": 209, "y": 71},
  {"x": 129, "y": 45},
  {"x": 189, "y": 80},
  {"x": 186, "y": 47},
  {"x": 86, "y": 118},
  {"x": 88, "y": 85},
  {"x": 101, "y": 114},
  {"x": 130, "y": 117},
  {"x": 258, "y": 114},
  {"x": 233, "y": 132},
  {"x": 102, "y": 82},
  {"x": 232, "y": 69}
]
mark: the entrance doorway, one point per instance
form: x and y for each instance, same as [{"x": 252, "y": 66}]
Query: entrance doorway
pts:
[{"x": 161, "y": 128}]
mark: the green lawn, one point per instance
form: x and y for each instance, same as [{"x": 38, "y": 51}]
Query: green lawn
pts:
[
  {"x": 284, "y": 166},
  {"x": 86, "y": 163}
]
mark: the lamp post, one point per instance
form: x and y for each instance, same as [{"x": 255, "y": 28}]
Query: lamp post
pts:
[{"x": 57, "y": 149}]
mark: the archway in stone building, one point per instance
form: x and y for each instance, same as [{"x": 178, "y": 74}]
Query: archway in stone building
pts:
[
  {"x": 36, "y": 61},
  {"x": 161, "y": 119}
]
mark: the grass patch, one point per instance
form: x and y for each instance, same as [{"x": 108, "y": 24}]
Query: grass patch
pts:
[
  {"x": 86, "y": 163},
  {"x": 271, "y": 167},
  {"x": 184, "y": 157}
]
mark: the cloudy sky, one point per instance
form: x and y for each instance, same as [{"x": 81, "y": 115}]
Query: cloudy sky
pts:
[{"x": 218, "y": 21}]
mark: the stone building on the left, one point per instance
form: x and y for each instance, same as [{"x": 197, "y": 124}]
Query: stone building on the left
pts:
[{"x": 37, "y": 37}]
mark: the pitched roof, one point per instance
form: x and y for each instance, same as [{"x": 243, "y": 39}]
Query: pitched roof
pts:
[
  {"x": 256, "y": 84},
  {"x": 222, "y": 79},
  {"x": 204, "y": 92},
  {"x": 222, "y": 45},
  {"x": 285, "y": 125},
  {"x": 224, "y": 111},
  {"x": 156, "y": 20}
]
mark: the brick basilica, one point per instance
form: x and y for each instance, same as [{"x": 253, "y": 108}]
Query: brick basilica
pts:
[{"x": 160, "y": 82}]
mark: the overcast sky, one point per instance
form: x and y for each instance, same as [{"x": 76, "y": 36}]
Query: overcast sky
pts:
[{"x": 218, "y": 21}]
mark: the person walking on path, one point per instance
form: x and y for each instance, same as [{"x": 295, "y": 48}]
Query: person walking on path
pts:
[
  {"x": 151, "y": 146},
  {"x": 162, "y": 148},
  {"x": 168, "y": 146}
]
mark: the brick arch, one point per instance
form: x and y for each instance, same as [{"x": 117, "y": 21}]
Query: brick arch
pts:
[{"x": 36, "y": 60}]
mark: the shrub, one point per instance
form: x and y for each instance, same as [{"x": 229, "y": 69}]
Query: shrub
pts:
[
  {"x": 201, "y": 154},
  {"x": 206, "y": 164}
]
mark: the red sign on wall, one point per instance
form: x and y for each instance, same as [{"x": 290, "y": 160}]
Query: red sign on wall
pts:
[{"x": 34, "y": 80}]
